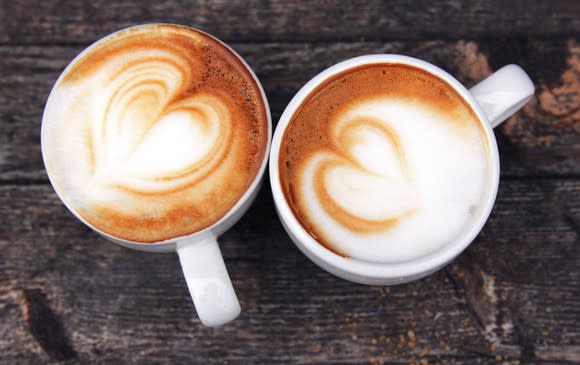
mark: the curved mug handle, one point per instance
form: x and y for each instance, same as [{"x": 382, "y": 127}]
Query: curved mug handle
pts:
[
  {"x": 208, "y": 281},
  {"x": 503, "y": 93}
]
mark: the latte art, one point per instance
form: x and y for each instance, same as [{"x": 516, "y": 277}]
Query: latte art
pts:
[
  {"x": 154, "y": 133},
  {"x": 178, "y": 148},
  {"x": 361, "y": 193},
  {"x": 384, "y": 163}
]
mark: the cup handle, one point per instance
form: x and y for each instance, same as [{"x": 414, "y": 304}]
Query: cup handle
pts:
[
  {"x": 503, "y": 93},
  {"x": 208, "y": 281}
]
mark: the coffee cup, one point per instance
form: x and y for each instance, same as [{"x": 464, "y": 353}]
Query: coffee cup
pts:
[
  {"x": 384, "y": 168},
  {"x": 156, "y": 137}
]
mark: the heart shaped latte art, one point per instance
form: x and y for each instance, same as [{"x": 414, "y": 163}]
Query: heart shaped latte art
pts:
[
  {"x": 363, "y": 181},
  {"x": 154, "y": 132},
  {"x": 150, "y": 136},
  {"x": 382, "y": 177}
]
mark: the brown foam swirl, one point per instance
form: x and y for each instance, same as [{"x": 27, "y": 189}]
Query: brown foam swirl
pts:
[
  {"x": 345, "y": 137},
  {"x": 206, "y": 111},
  {"x": 164, "y": 127}
]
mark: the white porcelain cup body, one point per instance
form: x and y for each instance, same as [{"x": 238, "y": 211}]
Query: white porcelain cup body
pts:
[
  {"x": 203, "y": 267},
  {"x": 493, "y": 100}
]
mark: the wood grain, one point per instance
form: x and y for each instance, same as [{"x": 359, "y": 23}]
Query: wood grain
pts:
[
  {"x": 541, "y": 140},
  {"x": 68, "y": 296},
  {"x": 513, "y": 294},
  {"x": 66, "y": 22}
]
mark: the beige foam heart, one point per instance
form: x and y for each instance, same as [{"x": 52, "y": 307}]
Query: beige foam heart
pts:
[
  {"x": 361, "y": 188},
  {"x": 151, "y": 141}
]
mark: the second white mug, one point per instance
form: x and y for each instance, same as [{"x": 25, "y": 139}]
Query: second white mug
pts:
[{"x": 492, "y": 100}]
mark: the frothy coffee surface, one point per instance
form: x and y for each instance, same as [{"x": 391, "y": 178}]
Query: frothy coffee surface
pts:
[
  {"x": 155, "y": 132},
  {"x": 384, "y": 163}
]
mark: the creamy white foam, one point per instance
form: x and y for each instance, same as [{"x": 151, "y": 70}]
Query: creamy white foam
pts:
[
  {"x": 154, "y": 133},
  {"x": 417, "y": 185}
]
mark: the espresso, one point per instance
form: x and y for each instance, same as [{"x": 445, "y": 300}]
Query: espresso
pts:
[
  {"x": 384, "y": 163},
  {"x": 154, "y": 132}
]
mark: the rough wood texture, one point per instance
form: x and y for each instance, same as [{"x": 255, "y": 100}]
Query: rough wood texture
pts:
[
  {"x": 67, "y": 22},
  {"x": 68, "y": 296},
  {"x": 513, "y": 294},
  {"x": 542, "y": 140}
]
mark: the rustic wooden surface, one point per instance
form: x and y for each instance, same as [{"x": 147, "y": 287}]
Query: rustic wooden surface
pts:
[{"x": 68, "y": 296}]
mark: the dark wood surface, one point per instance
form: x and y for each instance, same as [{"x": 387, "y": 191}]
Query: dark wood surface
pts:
[{"x": 513, "y": 297}]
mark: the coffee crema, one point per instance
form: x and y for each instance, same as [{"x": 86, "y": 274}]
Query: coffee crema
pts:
[
  {"x": 154, "y": 132},
  {"x": 384, "y": 163}
]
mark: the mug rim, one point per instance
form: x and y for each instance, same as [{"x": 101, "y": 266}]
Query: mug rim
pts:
[
  {"x": 224, "y": 222},
  {"x": 363, "y": 271}
]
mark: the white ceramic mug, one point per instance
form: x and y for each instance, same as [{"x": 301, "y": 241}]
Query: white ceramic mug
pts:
[
  {"x": 493, "y": 100},
  {"x": 201, "y": 260}
]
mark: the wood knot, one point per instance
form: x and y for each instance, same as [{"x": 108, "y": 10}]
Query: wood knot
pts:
[{"x": 45, "y": 326}]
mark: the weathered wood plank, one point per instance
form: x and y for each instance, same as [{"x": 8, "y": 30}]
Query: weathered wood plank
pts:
[
  {"x": 65, "y": 22},
  {"x": 514, "y": 295},
  {"x": 542, "y": 140}
]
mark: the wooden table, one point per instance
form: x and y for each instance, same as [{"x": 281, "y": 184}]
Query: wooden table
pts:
[{"x": 513, "y": 297}]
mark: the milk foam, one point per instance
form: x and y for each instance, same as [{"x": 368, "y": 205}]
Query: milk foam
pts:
[
  {"x": 140, "y": 147},
  {"x": 395, "y": 195}
]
